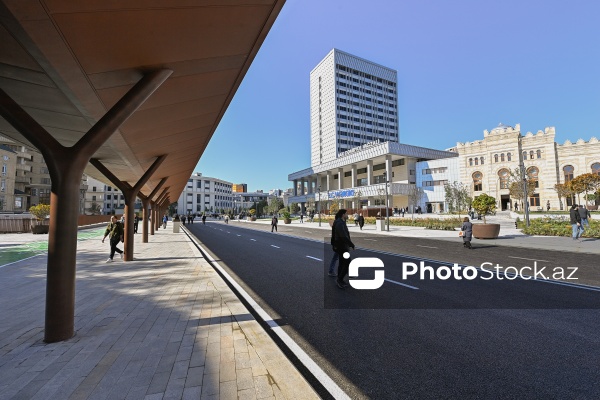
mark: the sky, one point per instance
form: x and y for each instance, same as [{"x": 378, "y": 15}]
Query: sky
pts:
[{"x": 463, "y": 66}]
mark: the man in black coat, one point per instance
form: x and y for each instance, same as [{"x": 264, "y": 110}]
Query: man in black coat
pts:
[
  {"x": 340, "y": 238},
  {"x": 575, "y": 222}
]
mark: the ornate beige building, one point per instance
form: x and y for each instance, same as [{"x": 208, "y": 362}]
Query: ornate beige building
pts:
[{"x": 485, "y": 164}]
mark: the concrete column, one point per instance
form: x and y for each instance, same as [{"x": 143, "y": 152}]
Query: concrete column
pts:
[
  {"x": 329, "y": 182},
  {"x": 369, "y": 172},
  {"x": 302, "y": 184},
  {"x": 353, "y": 175},
  {"x": 340, "y": 178},
  {"x": 310, "y": 185},
  {"x": 295, "y": 187}
]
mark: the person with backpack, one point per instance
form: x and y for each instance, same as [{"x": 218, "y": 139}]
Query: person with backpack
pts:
[{"x": 115, "y": 233}]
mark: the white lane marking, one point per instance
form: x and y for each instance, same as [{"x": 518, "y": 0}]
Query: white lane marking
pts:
[
  {"x": 372, "y": 240},
  {"x": 277, "y": 247},
  {"x": 402, "y": 284},
  {"x": 328, "y": 383},
  {"x": 14, "y": 262},
  {"x": 530, "y": 259},
  {"x": 254, "y": 240},
  {"x": 228, "y": 232},
  {"x": 237, "y": 235},
  {"x": 429, "y": 247},
  {"x": 314, "y": 258}
]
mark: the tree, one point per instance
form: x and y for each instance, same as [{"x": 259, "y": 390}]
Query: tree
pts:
[
  {"x": 310, "y": 204},
  {"x": 457, "y": 196},
  {"x": 381, "y": 199},
  {"x": 357, "y": 197},
  {"x": 334, "y": 208},
  {"x": 484, "y": 205},
  {"x": 95, "y": 208},
  {"x": 564, "y": 191},
  {"x": 585, "y": 183},
  {"x": 415, "y": 194},
  {"x": 40, "y": 212},
  {"x": 515, "y": 186},
  {"x": 294, "y": 208}
]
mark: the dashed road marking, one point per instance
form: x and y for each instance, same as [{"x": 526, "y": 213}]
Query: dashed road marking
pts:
[
  {"x": 314, "y": 258},
  {"x": 277, "y": 247}
]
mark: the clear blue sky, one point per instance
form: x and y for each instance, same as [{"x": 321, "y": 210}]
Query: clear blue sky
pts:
[{"x": 463, "y": 66}]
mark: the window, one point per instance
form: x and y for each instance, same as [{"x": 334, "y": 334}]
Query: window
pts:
[
  {"x": 502, "y": 157},
  {"x": 18, "y": 202},
  {"x": 396, "y": 163},
  {"x": 3, "y": 185},
  {"x": 508, "y": 157},
  {"x": 108, "y": 197},
  {"x": 539, "y": 154},
  {"x": 34, "y": 192},
  {"x": 524, "y": 155},
  {"x": 45, "y": 181},
  {"x": 534, "y": 200},
  {"x": 568, "y": 172},
  {"x": 495, "y": 157},
  {"x": 361, "y": 182},
  {"x": 503, "y": 175},
  {"x": 470, "y": 162},
  {"x": 361, "y": 171},
  {"x": 481, "y": 160},
  {"x": 596, "y": 168},
  {"x": 93, "y": 188},
  {"x": 532, "y": 175},
  {"x": 198, "y": 184},
  {"x": 4, "y": 169},
  {"x": 477, "y": 185},
  {"x": 93, "y": 198},
  {"x": 476, "y": 161},
  {"x": 531, "y": 155}
]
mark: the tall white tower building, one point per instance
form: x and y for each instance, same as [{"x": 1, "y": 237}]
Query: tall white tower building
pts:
[{"x": 352, "y": 102}]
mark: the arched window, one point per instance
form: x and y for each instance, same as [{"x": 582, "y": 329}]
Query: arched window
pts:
[
  {"x": 539, "y": 154},
  {"x": 508, "y": 157},
  {"x": 568, "y": 172},
  {"x": 476, "y": 161},
  {"x": 531, "y": 155},
  {"x": 504, "y": 175},
  {"x": 524, "y": 155},
  {"x": 595, "y": 168},
  {"x": 502, "y": 157},
  {"x": 481, "y": 160},
  {"x": 477, "y": 179},
  {"x": 470, "y": 162},
  {"x": 495, "y": 157},
  {"x": 532, "y": 175}
]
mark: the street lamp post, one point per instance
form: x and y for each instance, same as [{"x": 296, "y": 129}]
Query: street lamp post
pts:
[
  {"x": 387, "y": 209},
  {"x": 525, "y": 205},
  {"x": 319, "y": 204}
]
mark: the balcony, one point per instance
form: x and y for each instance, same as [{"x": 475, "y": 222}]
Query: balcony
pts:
[
  {"x": 24, "y": 167},
  {"x": 23, "y": 179}
]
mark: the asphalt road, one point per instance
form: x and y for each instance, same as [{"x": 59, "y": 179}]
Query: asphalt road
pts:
[{"x": 428, "y": 342}]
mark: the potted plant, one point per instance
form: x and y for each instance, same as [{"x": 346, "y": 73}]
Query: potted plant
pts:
[
  {"x": 485, "y": 205},
  {"x": 40, "y": 212},
  {"x": 252, "y": 213},
  {"x": 285, "y": 214}
]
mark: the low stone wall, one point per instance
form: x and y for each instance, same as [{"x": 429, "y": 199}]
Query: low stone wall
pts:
[{"x": 22, "y": 224}]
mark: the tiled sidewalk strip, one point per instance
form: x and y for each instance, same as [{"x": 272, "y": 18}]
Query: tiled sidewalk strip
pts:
[{"x": 162, "y": 326}]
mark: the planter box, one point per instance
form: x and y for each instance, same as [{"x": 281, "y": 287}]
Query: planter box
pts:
[
  {"x": 486, "y": 231},
  {"x": 40, "y": 229},
  {"x": 176, "y": 226},
  {"x": 287, "y": 221},
  {"x": 252, "y": 218},
  {"x": 380, "y": 224}
]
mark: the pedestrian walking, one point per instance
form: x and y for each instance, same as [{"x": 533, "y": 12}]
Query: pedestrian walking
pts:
[
  {"x": 183, "y": 218},
  {"x": 165, "y": 219},
  {"x": 115, "y": 232},
  {"x": 467, "y": 233},
  {"x": 355, "y": 217},
  {"x": 516, "y": 206},
  {"x": 274, "y": 223},
  {"x": 361, "y": 221},
  {"x": 227, "y": 219},
  {"x": 301, "y": 218},
  {"x": 548, "y": 206},
  {"x": 335, "y": 257},
  {"x": 402, "y": 211},
  {"x": 136, "y": 221},
  {"x": 191, "y": 218},
  {"x": 576, "y": 222},
  {"x": 341, "y": 245},
  {"x": 204, "y": 219},
  {"x": 584, "y": 214}
]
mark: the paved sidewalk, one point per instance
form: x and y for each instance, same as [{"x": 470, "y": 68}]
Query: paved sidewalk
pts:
[
  {"x": 509, "y": 235},
  {"x": 164, "y": 326}
]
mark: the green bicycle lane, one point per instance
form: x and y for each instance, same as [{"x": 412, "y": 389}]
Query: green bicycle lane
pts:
[{"x": 18, "y": 252}]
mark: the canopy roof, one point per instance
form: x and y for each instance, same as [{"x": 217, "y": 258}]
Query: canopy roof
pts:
[{"x": 68, "y": 62}]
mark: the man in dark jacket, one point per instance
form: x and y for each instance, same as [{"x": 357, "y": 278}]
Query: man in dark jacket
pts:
[
  {"x": 575, "y": 222},
  {"x": 341, "y": 245},
  {"x": 274, "y": 223},
  {"x": 114, "y": 231}
]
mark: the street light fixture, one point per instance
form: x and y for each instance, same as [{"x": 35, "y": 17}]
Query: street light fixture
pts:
[
  {"x": 319, "y": 204},
  {"x": 387, "y": 209}
]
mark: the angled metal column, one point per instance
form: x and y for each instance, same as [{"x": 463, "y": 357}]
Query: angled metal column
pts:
[
  {"x": 66, "y": 165},
  {"x": 146, "y": 200},
  {"x": 130, "y": 194},
  {"x": 157, "y": 205}
]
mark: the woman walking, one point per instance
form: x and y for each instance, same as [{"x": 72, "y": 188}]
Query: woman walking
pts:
[{"x": 467, "y": 233}]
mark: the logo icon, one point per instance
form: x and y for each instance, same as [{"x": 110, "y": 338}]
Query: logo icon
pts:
[{"x": 365, "y": 262}]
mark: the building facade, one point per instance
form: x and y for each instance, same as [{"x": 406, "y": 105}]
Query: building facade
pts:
[
  {"x": 205, "y": 194},
  {"x": 239, "y": 188},
  {"x": 432, "y": 175},
  {"x": 352, "y": 102}
]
